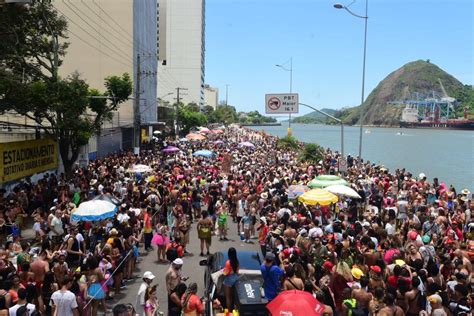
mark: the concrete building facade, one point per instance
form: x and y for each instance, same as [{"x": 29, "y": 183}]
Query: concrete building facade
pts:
[
  {"x": 181, "y": 50},
  {"x": 211, "y": 96}
]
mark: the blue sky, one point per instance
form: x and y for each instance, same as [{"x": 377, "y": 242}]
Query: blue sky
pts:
[{"x": 246, "y": 38}]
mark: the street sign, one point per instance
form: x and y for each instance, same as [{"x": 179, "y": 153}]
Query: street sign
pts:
[
  {"x": 281, "y": 103},
  {"x": 342, "y": 165}
]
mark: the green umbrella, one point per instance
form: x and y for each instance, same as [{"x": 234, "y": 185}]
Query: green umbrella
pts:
[
  {"x": 318, "y": 183},
  {"x": 329, "y": 177}
]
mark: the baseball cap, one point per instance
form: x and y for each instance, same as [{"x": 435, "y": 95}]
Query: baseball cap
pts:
[
  {"x": 178, "y": 261},
  {"x": 376, "y": 269},
  {"x": 148, "y": 275},
  {"x": 270, "y": 256},
  {"x": 412, "y": 235},
  {"x": 328, "y": 265}
]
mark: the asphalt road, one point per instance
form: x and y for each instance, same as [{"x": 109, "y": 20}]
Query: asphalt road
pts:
[{"x": 191, "y": 266}]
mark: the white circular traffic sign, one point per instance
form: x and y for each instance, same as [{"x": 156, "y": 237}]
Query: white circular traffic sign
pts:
[{"x": 274, "y": 103}]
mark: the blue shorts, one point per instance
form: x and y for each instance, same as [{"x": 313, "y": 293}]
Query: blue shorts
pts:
[{"x": 230, "y": 279}]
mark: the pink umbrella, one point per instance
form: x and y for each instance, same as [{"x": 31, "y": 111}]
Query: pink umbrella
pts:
[{"x": 170, "y": 149}]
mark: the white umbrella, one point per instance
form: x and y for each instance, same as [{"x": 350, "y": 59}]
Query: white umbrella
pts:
[
  {"x": 94, "y": 210},
  {"x": 343, "y": 190},
  {"x": 247, "y": 144},
  {"x": 140, "y": 168}
]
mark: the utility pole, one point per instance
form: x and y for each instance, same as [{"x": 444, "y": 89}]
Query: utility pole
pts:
[
  {"x": 178, "y": 99},
  {"x": 136, "y": 111},
  {"x": 226, "y": 94}
]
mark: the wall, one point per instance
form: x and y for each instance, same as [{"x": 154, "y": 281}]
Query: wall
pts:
[{"x": 181, "y": 45}]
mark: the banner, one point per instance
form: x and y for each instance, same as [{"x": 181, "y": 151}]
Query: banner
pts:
[{"x": 25, "y": 158}]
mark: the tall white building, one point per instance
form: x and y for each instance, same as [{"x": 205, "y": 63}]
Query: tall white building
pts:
[
  {"x": 211, "y": 96},
  {"x": 181, "y": 49}
]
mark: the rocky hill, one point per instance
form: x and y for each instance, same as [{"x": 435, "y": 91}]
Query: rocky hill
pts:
[{"x": 415, "y": 77}]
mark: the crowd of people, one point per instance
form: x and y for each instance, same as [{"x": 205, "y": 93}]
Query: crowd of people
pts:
[{"x": 403, "y": 248}]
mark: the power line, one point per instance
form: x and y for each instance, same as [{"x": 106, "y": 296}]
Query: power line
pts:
[
  {"x": 118, "y": 24},
  {"x": 117, "y": 37},
  {"x": 100, "y": 51},
  {"x": 126, "y": 55}
]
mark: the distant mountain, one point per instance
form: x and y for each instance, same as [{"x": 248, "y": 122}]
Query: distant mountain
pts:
[
  {"x": 415, "y": 77},
  {"x": 314, "y": 117}
]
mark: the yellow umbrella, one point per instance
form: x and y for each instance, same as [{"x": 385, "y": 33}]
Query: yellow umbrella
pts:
[{"x": 318, "y": 196}]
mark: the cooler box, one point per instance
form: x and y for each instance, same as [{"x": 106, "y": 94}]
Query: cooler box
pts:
[{"x": 248, "y": 298}]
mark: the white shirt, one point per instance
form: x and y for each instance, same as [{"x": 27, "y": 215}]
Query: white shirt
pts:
[
  {"x": 65, "y": 302},
  {"x": 140, "y": 301},
  {"x": 123, "y": 217},
  {"x": 12, "y": 310},
  {"x": 240, "y": 209},
  {"x": 315, "y": 232},
  {"x": 390, "y": 229},
  {"x": 57, "y": 226}
]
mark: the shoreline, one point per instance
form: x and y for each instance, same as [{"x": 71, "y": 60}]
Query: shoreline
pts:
[{"x": 376, "y": 163}]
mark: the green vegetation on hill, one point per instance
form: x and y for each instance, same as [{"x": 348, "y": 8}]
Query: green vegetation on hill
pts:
[
  {"x": 315, "y": 118},
  {"x": 418, "y": 76}
]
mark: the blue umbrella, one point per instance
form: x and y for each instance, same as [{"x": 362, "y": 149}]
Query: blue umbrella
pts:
[
  {"x": 94, "y": 210},
  {"x": 204, "y": 153}
]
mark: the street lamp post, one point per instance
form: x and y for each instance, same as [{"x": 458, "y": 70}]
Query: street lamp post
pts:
[
  {"x": 361, "y": 115},
  {"x": 291, "y": 83}
]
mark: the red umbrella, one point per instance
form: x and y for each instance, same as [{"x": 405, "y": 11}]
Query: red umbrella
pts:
[{"x": 295, "y": 303}]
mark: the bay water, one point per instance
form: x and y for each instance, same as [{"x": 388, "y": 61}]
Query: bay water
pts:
[{"x": 445, "y": 154}]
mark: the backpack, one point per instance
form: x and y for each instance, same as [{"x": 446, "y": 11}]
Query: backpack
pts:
[
  {"x": 353, "y": 310},
  {"x": 173, "y": 251}
]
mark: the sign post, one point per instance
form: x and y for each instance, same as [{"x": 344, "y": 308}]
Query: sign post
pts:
[{"x": 342, "y": 165}]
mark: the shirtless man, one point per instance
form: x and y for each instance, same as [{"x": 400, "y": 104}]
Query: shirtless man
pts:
[
  {"x": 361, "y": 295},
  {"x": 465, "y": 261},
  {"x": 39, "y": 267},
  {"x": 412, "y": 298},
  {"x": 391, "y": 309}
]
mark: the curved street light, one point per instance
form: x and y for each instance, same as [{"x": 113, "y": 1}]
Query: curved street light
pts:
[
  {"x": 282, "y": 66},
  {"x": 365, "y": 17}
]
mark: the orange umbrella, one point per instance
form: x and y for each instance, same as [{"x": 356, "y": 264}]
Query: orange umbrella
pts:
[{"x": 192, "y": 136}]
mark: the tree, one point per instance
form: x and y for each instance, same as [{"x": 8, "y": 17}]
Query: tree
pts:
[
  {"x": 288, "y": 142},
  {"x": 312, "y": 153},
  {"x": 67, "y": 110},
  {"x": 225, "y": 114},
  {"x": 207, "y": 110},
  {"x": 188, "y": 118}
]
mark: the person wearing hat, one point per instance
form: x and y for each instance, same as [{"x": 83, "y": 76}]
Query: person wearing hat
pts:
[
  {"x": 173, "y": 276},
  {"x": 271, "y": 274},
  {"x": 140, "y": 302}
]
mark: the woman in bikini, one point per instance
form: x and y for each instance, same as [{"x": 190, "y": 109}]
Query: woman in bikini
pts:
[{"x": 204, "y": 229}]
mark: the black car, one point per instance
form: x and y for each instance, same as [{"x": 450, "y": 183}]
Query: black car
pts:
[{"x": 248, "y": 289}]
